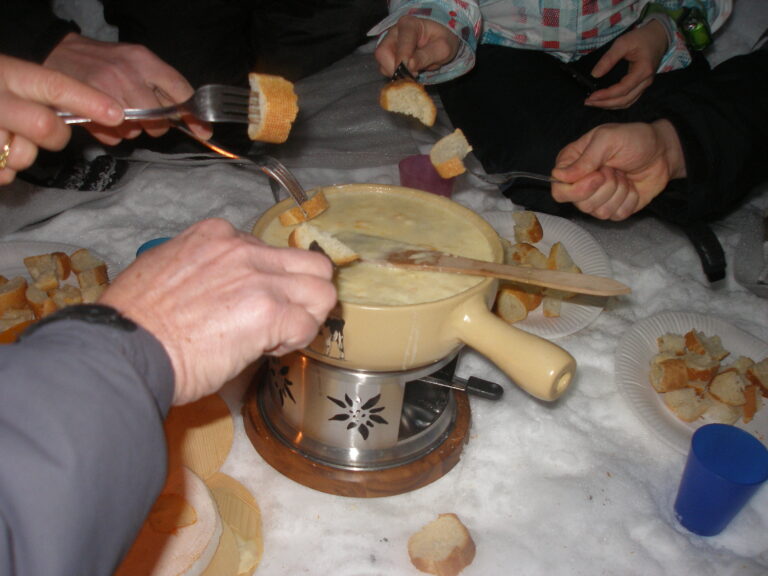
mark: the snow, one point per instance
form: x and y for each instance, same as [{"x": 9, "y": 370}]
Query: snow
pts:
[{"x": 580, "y": 486}]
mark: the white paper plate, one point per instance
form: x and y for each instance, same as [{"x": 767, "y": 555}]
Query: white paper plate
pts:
[
  {"x": 12, "y": 256},
  {"x": 588, "y": 255},
  {"x": 633, "y": 357}
]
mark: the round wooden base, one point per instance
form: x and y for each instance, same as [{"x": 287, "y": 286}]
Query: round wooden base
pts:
[{"x": 354, "y": 483}]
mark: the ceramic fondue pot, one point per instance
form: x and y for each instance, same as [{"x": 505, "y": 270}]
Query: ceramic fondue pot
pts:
[{"x": 366, "y": 335}]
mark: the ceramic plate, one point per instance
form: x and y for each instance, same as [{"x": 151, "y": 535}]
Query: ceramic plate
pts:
[
  {"x": 588, "y": 255},
  {"x": 12, "y": 256},
  {"x": 633, "y": 357}
]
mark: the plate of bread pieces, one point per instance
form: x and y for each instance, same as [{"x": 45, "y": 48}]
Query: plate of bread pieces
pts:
[
  {"x": 679, "y": 371},
  {"x": 550, "y": 242},
  {"x": 38, "y": 278}
]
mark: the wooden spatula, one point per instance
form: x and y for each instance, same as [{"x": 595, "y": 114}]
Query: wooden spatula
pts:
[{"x": 565, "y": 281}]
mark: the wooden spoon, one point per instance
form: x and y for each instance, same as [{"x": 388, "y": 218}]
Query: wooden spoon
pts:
[{"x": 565, "y": 281}]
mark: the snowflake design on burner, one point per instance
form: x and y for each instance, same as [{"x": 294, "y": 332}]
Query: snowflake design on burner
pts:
[
  {"x": 282, "y": 383},
  {"x": 362, "y": 416}
]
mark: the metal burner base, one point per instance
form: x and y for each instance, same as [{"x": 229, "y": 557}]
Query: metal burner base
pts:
[{"x": 434, "y": 427}]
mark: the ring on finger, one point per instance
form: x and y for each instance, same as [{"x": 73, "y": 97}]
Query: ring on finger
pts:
[{"x": 6, "y": 151}]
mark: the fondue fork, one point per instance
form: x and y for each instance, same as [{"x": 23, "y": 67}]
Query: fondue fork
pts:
[
  {"x": 433, "y": 260},
  {"x": 211, "y": 103}
]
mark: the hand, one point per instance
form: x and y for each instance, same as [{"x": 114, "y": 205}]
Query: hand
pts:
[
  {"x": 27, "y": 93},
  {"x": 643, "y": 48},
  {"x": 616, "y": 170},
  {"x": 128, "y": 72},
  {"x": 421, "y": 43},
  {"x": 218, "y": 299}
]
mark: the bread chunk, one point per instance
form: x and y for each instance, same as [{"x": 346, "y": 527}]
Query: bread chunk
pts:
[
  {"x": 728, "y": 388},
  {"x": 443, "y": 547},
  {"x": 13, "y": 294},
  {"x": 671, "y": 343},
  {"x": 272, "y": 109},
  {"x": 305, "y": 235},
  {"x": 686, "y": 403},
  {"x": 668, "y": 373},
  {"x": 316, "y": 205},
  {"x": 447, "y": 155},
  {"x": 758, "y": 374},
  {"x": 408, "y": 97},
  {"x": 527, "y": 227}
]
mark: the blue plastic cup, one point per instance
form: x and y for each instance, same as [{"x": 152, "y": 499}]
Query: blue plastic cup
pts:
[
  {"x": 151, "y": 244},
  {"x": 725, "y": 467}
]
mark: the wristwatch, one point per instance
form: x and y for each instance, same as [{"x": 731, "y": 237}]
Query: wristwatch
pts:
[
  {"x": 90, "y": 313},
  {"x": 691, "y": 22}
]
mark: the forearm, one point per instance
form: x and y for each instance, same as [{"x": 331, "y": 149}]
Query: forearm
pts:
[
  {"x": 721, "y": 123},
  {"x": 30, "y": 30},
  {"x": 81, "y": 415}
]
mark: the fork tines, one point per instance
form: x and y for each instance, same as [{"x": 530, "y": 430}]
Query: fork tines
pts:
[{"x": 233, "y": 102}]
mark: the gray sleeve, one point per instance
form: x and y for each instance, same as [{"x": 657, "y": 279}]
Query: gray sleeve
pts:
[{"x": 82, "y": 448}]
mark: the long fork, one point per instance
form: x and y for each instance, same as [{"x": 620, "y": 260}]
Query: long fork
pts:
[{"x": 210, "y": 103}]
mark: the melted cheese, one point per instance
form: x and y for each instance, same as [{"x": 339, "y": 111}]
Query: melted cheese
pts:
[{"x": 361, "y": 219}]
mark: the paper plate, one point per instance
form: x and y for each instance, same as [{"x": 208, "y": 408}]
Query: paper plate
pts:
[
  {"x": 633, "y": 357},
  {"x": 239, "y": 511},
  {"x": 588, "y": 255},
  {"x": 200, "y": 435}
]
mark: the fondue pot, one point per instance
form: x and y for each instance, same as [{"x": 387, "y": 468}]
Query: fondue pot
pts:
[{"x": 407, "y": 337}]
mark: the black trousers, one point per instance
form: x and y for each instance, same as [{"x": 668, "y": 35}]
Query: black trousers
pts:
[{"x": 519, "y": 108}]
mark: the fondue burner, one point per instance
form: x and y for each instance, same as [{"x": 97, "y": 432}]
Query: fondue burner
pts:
[{"x": 360, "y": 433}]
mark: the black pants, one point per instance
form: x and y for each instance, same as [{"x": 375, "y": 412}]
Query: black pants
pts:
[{"x": 519, "y": 108}]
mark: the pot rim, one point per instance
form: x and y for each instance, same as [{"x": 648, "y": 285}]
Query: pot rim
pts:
[{"x": 488, "y": 231}]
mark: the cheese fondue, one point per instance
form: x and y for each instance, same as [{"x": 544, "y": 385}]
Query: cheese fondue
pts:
[{"x": 358, "y": 217}]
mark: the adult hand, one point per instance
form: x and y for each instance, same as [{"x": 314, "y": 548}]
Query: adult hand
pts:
[
  {"x": 27, "y": 121},
  {"x": 130, "y": 73},
  {"x": 421, "y": 43},
  {"x": 643, "y": 48},
  {"x": 218, "y": 299},
  {"x": 616, "y": 170}
]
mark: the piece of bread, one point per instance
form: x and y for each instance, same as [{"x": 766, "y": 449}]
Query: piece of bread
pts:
[
  {"x": 699, "y": 343},
  {"x": 40, "y": 302},
  {"x": 728, "y": 388},
  {"x": 526, "y": 254},
  {"x": 66, "y": 295},
  {"x": 740, "y": 365},
  {"x": 671, "y": 344},
  {"x": 514, "y": 302},
  {"x": 668, "y": 373},
  {"x": 758, "y": 374},
  {"x": 410, "y": 98},
  {"x": 719, "y": 413},
  {"x": 560, "y": 259},
  {"x": 13, "y": 294},
  {"x": 314, "y": 206},
  {"x": 686, "y": 403},
  {"x": 447, "y": 155},
  {"x": 48, "y": 270},
  {"x": 443, "y": 547},
  {"x": 13, "y": 322},
  {"x": 306, "y": 236},
  {"x": 527, "y": 227},
  {"x": 272, "y": 109},
  {"x": 702, "y": 368},
  {"x": 753, "y": 401}
]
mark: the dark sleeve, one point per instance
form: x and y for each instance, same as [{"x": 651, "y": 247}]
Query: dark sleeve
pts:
[
  {"x": 722, "y": 122},
  {"x": 82, "y": 448},
  {"x": 30, "y": 30}
]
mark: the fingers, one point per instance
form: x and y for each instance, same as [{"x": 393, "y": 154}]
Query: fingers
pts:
[
  {"x": 620, "y": 95},
  {"x": 420, "y": 43}
]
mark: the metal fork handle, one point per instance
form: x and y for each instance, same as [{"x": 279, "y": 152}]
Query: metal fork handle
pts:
[
  {"x": 128, "y": 114},
  {"x": 271, "y": 167},
  {"x": 504, "y": 177}
]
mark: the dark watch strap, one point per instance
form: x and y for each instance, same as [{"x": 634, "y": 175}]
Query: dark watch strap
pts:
[{"x": 90, "y": 313}]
